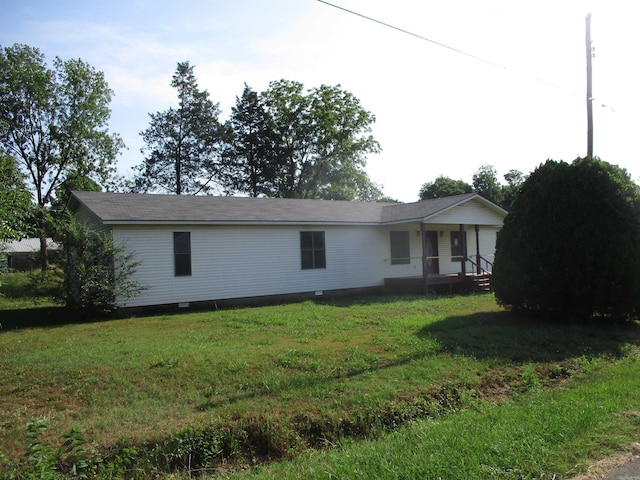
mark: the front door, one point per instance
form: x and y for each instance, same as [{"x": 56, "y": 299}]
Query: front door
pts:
[{"x": 431, "y": 264}]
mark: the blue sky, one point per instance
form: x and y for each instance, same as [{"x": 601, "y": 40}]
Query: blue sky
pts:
[{"x": 438, "y": 112}]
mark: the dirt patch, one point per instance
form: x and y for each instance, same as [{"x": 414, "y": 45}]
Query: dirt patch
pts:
[
  {"x": 495, "y": 388},
  {"x": 598, "y": 470}
]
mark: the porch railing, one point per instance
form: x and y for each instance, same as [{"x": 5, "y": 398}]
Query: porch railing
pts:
[
  {"x": 486, "y": 266},
  {"x": 479, "y": 266}
]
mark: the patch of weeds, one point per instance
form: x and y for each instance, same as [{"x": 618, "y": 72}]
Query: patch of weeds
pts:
[
  {"x": 189, "y": 448},
  {"x": 298, "y": 360},
  {"x": 529, "y": 376},
  {"x": 164, "y": 363},
  {"x": 119, "y": 463},
  {"x": 271, "y": 439},
  {"x": 16, "y": 285},
  {"x": 235, "y": 367},
  {"x": 45, "y": 461},
  {"x": 560, "y": 371},
  {"x": 47, "y": 283},
  {"x": 359, "y": 360}
]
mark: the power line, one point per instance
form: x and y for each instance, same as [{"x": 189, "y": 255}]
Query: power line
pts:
[
  {"x": 453, "y": 49},
  {"x": 414, "y": 34},
  {"x": 462, "y": 52}
]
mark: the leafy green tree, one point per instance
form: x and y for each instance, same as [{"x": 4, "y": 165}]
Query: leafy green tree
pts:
[
  {"x": 16, "y": 207},
  {"x": 250, "y": 163},
  {"x": 323, "y": 138},
  {"x": 54, "y": 121},
  {"x": 514, "y": 179},
  {"x": 444, "y": 187},
  {"x": 570, "y": 244},
  {"x": 73, "y": 181},
  {"x": 98, "y": 274},
  {"x": 183, "y": 145},
  {"x": 486, "y": 184}
]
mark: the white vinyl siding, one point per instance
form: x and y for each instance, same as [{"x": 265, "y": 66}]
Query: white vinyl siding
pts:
[
  {"x": 88, "y": 218},
  {"x": 469, "y": 213},
  {"x": 238, "y": 262},
  {"x": 250, "y": 261}
]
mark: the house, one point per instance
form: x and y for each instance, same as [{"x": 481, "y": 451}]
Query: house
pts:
[
  {"x": 24, "y": 254},
  {"x": 201, "y": 249}
]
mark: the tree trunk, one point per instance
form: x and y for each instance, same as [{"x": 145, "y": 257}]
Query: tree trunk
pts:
[{"x": 42, "y": 230}]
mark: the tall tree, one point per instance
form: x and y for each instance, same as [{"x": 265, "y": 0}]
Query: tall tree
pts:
[
  {"x": 323, "y": 138},
  {"x": 15, "y": 201},
  {"x": 514, "y": 179},
  {"x": 486, "y": 183},
  {"x": 73, "y": 181},
  {"x": 183, "y": 144},
  {"x": 52, "y": 121},
  {"x": 444, "y": 187},
  {"x": 250, "y": 163}
]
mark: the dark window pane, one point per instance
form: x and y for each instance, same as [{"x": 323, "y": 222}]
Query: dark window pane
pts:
[
  {"x": 312, "y": 251},
  {"x": 307, "y": 259},
  {"x": 320, "y": 260},
  {"x": 181, "y": 242},
  {"x": 318, "y": 240},
  {"x": 183, "y": 265},
  {"x": 182, "y": 253},
  {"x": 400, "y": 251},
  {"x": 306, "y": 240},
  {"x": 457, "y": 247}
]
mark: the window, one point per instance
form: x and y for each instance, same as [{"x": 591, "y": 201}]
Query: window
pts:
[
  {"x": 182, "y": 253},
  {"x": 400, "y": 252},
  {"x": 312, "y": 250},
  {"x": 456, "y": 246}
]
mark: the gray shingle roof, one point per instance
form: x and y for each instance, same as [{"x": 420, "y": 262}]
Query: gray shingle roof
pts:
[
  {"x": 26, "y": 245},
  {"x": 113, "y": 208}
]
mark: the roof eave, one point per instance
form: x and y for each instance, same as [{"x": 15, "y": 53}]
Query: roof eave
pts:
[{"x": 235, "y": 223}]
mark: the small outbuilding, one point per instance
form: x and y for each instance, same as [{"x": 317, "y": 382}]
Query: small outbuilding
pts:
[
  {"x": 24, "y": 255},
  {"x": 194, "y": 249}
]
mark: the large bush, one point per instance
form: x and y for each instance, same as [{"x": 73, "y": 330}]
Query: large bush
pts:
[
  {"x": 570, "y": 244},
  {"x": 98, "y": 274}
]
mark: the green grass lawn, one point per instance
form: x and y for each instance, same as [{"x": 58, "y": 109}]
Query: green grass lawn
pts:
[
  {"x": 233, "y": 388},
  {"x": 544, "y": 434}
]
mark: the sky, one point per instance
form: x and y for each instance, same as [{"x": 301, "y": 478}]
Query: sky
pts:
[{"x": 472, "y": 83}]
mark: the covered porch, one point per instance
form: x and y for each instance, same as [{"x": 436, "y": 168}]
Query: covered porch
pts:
[
  {"x": 445, "y": 244},
  {"x": 453, "y": 259}
]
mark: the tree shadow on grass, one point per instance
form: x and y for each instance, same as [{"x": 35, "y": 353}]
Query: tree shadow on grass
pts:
[
  {"x": 38, "y": 317},
  {"x": 514, "y": 337}
]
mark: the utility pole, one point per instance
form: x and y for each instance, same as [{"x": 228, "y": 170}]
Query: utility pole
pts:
[{"x": 589, "y": 92}]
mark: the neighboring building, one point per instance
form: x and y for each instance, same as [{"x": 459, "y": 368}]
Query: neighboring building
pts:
[
  {"x": 200, "y": 249},
  {"x": 24, "y": 254}
]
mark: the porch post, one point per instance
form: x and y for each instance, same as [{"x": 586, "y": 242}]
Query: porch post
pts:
[
  {"x": 463, "y": 251},
  {"x": 425, "y": 275},
  {"x": 478, "y": 269}
]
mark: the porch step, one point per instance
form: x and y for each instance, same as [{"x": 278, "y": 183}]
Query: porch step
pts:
[{"x": 482, "y": 282}]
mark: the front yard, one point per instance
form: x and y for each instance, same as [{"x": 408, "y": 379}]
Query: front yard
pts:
[{"x": 221, "y": 391}]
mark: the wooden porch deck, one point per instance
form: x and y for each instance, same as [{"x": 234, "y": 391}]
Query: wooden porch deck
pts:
[{"x": 441, "y": 283}]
